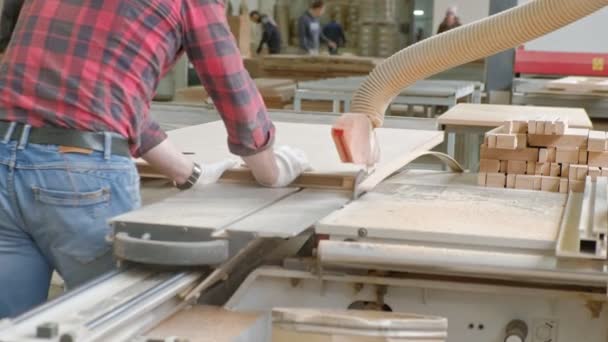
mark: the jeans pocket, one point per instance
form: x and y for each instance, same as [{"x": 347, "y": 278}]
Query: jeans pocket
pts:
[{"x": 80, "y": 219}]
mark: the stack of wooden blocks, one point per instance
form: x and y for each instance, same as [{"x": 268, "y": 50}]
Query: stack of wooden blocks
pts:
[{"x": 542, "y": 155}]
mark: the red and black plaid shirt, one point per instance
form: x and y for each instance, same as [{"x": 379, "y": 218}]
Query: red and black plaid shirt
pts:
[{"x": 94, "y": 65}]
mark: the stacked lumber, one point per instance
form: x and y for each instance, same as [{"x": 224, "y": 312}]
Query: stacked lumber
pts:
[
  {"x": 542, "y": 155},
  {"x": 301, "y": 68},
  {"x": 277, "y": 93},
  {"x": 580, "y": 85}
]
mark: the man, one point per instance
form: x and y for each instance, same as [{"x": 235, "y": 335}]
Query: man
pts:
[
  {"x": 309, "y": 29},
  {"x": 335, "y": 33},
  {"x": 270, "y": 33},
  {"x": 76, "y": 83},
  {"x": 451, "y": 21}
]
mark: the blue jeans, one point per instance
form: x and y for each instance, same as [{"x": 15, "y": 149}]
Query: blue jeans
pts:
[{"x": 54, "y": 209}]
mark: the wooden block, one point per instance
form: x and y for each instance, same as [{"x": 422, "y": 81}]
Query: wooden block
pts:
[
  {"x": 560, "y": 126},
  {"x": 524, "y": 154},
  {"x": 517, "y": 167},
  {"x": 496, "y": 180},
  {"x": 511, "y": 181},
  {"x": 578, "y": 172},
  {"x": 531, "y": 168},
  {"x": 549, "y": 127},
  {"x": 565, "y": 170},
  {"x": 491, "y": 141},
  {"x": 527, "y": 182},
  {"x": 604, "y": 172},
  {"x": 566, "y": 155},
  {"x": 489, "y": 165},
  {"x": 531, "y": 126},
  {"x": 597, "y": 141},
  {"x": 481, "y": 178},
  {"x": 503, "y": 166},
  {"x": 516, "y": 127},
  {"x": 507, "y": 141},
  {"x": 546, "y": 155},
  {"x": 543, "y": 169},
  {"x": 582, "y": 156},
  {"x": 573, "y": 137},
  {"x": 555, "y": 170},
  {"x": 576, "y": 186},
  {"x": 540, "y": 127},
  {"x": 598, "y": 159},
  {"x": 563, "y": 185},
  {"x": 594, "y": 172},
  {"x": 550, "y": 184}
]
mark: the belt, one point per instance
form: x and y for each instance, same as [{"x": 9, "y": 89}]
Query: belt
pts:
[{"x": 67, "y": 137}]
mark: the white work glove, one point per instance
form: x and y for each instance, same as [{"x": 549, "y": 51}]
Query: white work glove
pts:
[
  {"x": 214, "y": 171},
  {"x": 291, "y": 162}
]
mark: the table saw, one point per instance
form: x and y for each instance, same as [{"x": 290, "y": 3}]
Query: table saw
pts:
[{"x": 428, "y": 242}]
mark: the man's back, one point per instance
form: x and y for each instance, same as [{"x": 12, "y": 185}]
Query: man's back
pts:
[{"x": 94, "y": 64}]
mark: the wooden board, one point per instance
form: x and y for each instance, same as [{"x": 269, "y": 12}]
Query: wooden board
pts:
[
  {"x": 409, "y": 210},
  {"x": 207, "y": 143},
  {"x": 484, "y": 115}
]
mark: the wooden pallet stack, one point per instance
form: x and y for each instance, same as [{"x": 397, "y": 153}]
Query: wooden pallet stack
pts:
[{"x": 542, "y": 155}]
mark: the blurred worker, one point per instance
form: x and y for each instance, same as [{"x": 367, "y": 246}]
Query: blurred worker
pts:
[
  {"x": 309, "y": 29},
  {"x": 8, "y": 19},
  {"x": 335, "y": 33},
  {"x": 76, "y": 83},
  {"x": 420, "y": 34},
  {"x": 450, "y": 21},
  {"x": 270, "y": 33}
]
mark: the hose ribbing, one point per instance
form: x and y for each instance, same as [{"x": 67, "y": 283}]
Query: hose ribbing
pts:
[{"x": 477, "y": 40}]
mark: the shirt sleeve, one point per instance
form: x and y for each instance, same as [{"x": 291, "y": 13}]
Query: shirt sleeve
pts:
[
  {"x": 151, "y": 135},
  {"x": 212, "y": 51}
]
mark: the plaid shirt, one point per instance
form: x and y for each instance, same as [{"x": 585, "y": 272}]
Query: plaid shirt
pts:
[{"x": 94, "y": 65}]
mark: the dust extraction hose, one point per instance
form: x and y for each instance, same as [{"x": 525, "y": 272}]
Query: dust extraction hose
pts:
[{"x": 462, "y": 45}]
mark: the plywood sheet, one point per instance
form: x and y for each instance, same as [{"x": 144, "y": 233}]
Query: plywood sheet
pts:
[
  {"x": 485, "y": 115},
  {"x": 207, "y": 143},
  {"x": 453, "y": 214}
]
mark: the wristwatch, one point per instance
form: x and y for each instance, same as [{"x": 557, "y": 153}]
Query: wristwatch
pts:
[{"x": 197, "y": 171}]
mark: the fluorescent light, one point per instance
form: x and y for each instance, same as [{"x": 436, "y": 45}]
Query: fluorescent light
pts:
[{"x": 418, "y": 13}]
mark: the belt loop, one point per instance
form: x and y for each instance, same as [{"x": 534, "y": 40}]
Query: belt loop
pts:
[
  {"x": 9, "y": 132},
  {"x": 25, "y": 135},
  {"x": 107, "y": 146}
]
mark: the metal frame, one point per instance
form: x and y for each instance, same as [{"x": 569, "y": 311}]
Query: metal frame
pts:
[{"x": 340, "y": 91}]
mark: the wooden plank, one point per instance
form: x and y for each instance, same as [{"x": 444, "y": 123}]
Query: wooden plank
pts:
[
  {"x": 489, "y": 165},
  {"x": 550, "y": 184},
  {"x": 526, "y": 154},
  {"x": 516, "y": 167},
  {"x": 496, "y": 180},
  {"x": 567, "y": 155},
  {"x": 563, "y": 185},
  {"x": 597, "y": 141},
  {"x": 574, "y": 137},
  {"x": 511, "y": 181},
  {"x": 528, "y": 182},
  {"x": 409, "y": 212},
  {"x": 598, "y": 159},
  {"x": 600, "y": 218},
  {"x": 579, "y": 85},
  {"x": 487, "y": 115}
]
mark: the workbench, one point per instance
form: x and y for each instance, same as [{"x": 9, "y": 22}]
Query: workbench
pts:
[
  {"x": 427, "y": 93},
  {"x": 471, "y": 121},
  {"x": 529, "y": 91}
]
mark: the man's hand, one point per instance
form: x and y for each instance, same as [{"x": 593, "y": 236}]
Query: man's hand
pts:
[
  {"x": 277, "y": 169},
  {"x": 213, "y": 172},
  {"x": 332, "y": 44}
]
